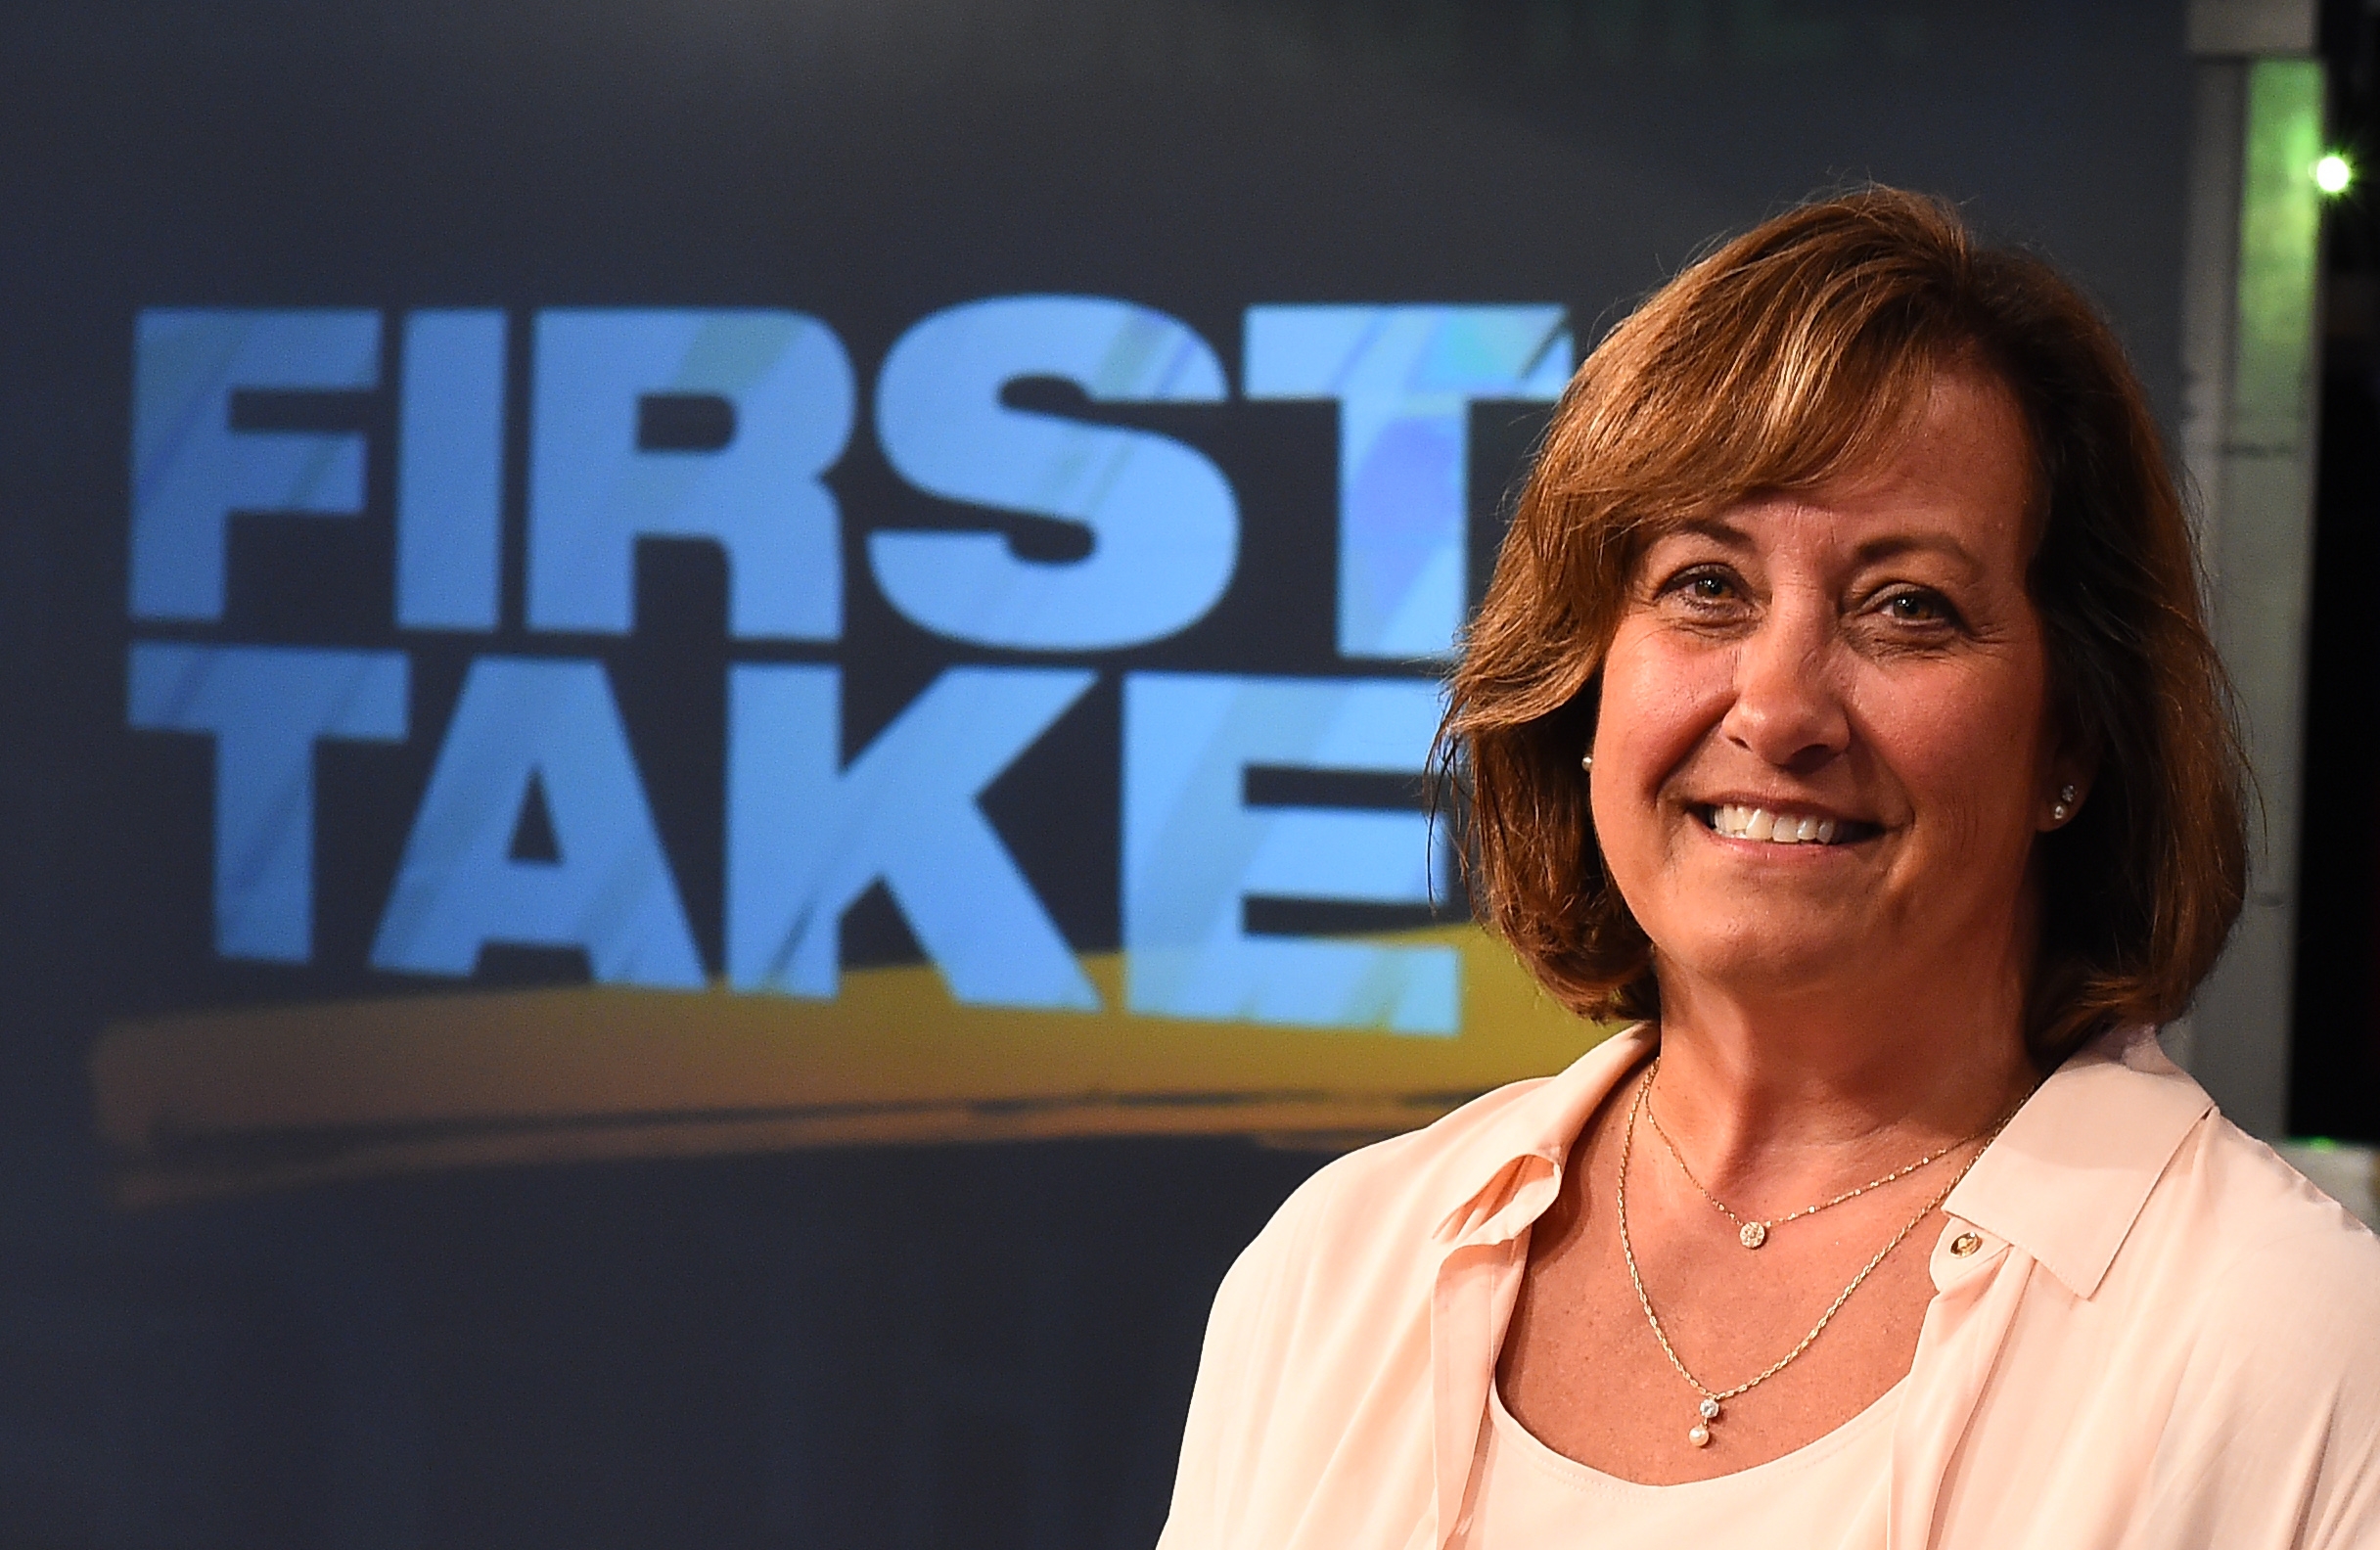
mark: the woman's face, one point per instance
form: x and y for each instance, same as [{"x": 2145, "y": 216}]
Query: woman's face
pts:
[{"x": 1862, "y": 667}]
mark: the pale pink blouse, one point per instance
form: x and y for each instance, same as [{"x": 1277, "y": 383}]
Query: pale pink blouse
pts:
[
  {"x": 1826, "y": 1494},
  {"x": 2168, "y": 1338}
]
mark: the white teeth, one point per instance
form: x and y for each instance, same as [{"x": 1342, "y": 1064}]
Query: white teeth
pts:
[{"x": 1738, "y": 822}]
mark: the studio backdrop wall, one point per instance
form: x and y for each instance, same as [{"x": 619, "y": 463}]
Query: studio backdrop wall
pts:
[{"x": 715, "y": 708}]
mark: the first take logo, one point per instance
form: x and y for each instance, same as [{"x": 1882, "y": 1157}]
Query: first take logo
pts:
[{"x": 774, "y": 404}]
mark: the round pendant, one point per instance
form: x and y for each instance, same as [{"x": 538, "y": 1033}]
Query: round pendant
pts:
[
  {"x": 1752, "y": 1234},
  {"x": 1709, "y": 1409},
  {"x": 1700, "y": 1436}
]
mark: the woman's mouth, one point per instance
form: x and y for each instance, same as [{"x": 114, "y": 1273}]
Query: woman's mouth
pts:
[{"x": 1733, "y": 821}]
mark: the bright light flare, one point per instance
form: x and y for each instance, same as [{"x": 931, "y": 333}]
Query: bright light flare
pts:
[{"x": 2333, "y": 174}]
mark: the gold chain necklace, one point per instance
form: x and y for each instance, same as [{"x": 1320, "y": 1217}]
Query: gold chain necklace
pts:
[
  {"x": 1713, "y": 1398},
  {"x": 1753, "y": 1233}
]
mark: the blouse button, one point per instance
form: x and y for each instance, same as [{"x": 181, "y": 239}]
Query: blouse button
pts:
[{"x": 1965, "y": 1244}]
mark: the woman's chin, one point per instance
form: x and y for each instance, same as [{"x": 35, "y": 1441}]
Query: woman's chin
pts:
[{"x": 1773, "y": 960}]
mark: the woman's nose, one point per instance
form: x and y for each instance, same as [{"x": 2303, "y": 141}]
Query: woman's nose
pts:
[{"x": 1787, "y": 709}]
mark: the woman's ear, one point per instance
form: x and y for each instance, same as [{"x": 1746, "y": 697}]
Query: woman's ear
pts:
[
  {"x": 2071, "y": 770},
  {"x": 2070, "y": 777}
]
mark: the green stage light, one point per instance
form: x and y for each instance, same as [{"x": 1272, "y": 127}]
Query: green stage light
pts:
[{"x": 2333, "y": 174}]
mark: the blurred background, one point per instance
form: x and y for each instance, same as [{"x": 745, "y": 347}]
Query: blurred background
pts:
[{"x": 711, "y": 741}]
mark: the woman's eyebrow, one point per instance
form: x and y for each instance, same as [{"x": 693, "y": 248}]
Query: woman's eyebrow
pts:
[
  {"x": 1718, "y": 530},
  {"x": 1894, "y": 546}
]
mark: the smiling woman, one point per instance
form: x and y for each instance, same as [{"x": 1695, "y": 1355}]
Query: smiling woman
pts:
[
  {"x": 1841, "y": 709},
  {"x": 1861, "y": 656},
  {"x": 1851, "y": 345}
]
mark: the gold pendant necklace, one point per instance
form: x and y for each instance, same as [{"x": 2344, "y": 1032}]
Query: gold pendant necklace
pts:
[
  {"x": 1714, "y": 1400},
  {"x": 1752, "y": 1232}
]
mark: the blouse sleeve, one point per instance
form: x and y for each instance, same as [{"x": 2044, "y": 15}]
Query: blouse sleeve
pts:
[
  {"x": 2279, "y": 1446},
  {"x": 1246, "y": 1336}
]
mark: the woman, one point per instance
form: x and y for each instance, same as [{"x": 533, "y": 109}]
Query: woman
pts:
[{"x": 1842, "y": 709}]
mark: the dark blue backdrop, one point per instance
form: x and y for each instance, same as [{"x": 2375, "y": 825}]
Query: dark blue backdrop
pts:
[{"x": 948, "y": 1347}]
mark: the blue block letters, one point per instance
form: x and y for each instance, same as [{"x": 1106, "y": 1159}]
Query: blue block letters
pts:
[
  {"x": 1193, "y": 852},
  {"x": 808, "y": 834},
  {"x": 267, "y": 707},
  {"x": 1404, "y": 378},
  {"x": 191, "y": 471},
  {"x": 594, "y": 491},
  {"x": 1164, "y": 522},
  {"x": 610, "y": 892}
]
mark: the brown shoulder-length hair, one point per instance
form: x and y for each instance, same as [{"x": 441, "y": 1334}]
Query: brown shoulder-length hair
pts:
[{"x": 1797, "y": 353}]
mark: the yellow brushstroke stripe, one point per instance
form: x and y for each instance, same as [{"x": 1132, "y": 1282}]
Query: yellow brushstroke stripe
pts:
[{"x": 200, "y": 1102}]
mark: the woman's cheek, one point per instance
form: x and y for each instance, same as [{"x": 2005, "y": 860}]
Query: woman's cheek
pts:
[
  {"x": 1970, "y": 748},
  {"x": 1660, "y": 696}
]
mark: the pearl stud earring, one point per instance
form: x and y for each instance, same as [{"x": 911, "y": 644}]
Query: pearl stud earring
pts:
[
  {"x": 1586, "y": 762},
  {"x": 2065, "y": 806}
]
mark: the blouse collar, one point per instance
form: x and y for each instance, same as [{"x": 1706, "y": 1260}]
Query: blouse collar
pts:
[
  {"x": 2065, "y": 1181},
  {"x": 2068, "y": 1177}
]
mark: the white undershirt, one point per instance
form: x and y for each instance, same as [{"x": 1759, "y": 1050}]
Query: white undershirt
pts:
[{"x": 1826, "y": 1495}]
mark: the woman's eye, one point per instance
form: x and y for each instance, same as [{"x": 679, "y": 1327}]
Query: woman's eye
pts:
[
  {"x": 1706, "y": 589},
  {"x": 1916, "y": 608}
]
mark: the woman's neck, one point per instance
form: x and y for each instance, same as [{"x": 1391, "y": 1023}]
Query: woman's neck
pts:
[{"x": 1784, "y": 1098}]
